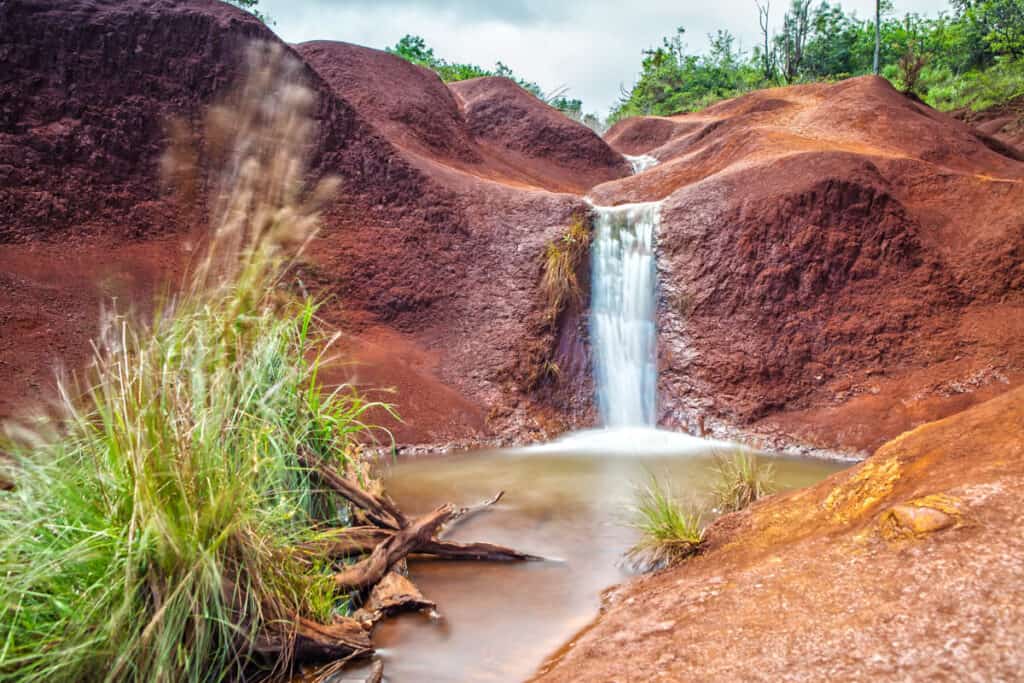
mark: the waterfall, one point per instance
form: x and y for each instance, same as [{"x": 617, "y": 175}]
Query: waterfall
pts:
[
  {"x": 623, "y": 306},
  {"x": 641, "y": 163}
]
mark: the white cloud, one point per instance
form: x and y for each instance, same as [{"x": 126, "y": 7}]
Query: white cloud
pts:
[{"x": 590, "y": 46}]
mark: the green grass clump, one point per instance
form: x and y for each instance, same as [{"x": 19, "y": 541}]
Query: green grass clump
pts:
[
  {"x": 562, "y": 260},
  {"x": 152, "y": 532},
  {"x": 670, "y": 531},
  {"x": 740, "y": 479}
]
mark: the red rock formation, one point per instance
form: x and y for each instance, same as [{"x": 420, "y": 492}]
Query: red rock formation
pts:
[
  {"x": 907, "y": 566},
  {"x": 839, "y": 262},
  {"x": 431, "y": 254}
]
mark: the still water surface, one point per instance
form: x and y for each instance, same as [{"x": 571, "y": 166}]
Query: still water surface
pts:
[{"x": 499, "y": 621}]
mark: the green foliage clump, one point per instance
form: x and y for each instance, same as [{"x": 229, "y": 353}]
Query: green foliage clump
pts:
[
  {"x": 971, "y": 57},
  {"x": 672, "y": 81},
  {"x": 562, "y": 260},
  {"x": 670, "y": 531},
  {"x": 152, "y": 532},
  {"x": 740, "y": 479},
  {"x": 250, "y": 6},
  {"x": 415, "y": 49}
]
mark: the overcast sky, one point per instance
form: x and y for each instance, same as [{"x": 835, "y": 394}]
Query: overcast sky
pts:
[{"x": 590, "y": 46}]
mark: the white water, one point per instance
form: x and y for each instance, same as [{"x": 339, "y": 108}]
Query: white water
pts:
[
  {"x": 623, "y": 303},
  {"x": 644, "y": 441},
  {"x": 641, "y": 162}
]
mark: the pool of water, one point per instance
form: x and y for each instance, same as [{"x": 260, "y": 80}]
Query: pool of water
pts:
[{"x": 499, "y": 621}]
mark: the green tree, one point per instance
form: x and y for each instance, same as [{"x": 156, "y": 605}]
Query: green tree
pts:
[
  {"x": 250, "y": 6},
  {"x": 999, "y": 24}
]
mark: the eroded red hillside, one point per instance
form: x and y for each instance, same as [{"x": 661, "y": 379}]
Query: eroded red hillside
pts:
[
  {"x": 428, "y": 259},
  {"x": 839, "y": 263}
]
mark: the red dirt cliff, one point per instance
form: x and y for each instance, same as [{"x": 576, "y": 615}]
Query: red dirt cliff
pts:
[
  {"x": 839, "y": 263},
  {"x": 430, "y": 256}
]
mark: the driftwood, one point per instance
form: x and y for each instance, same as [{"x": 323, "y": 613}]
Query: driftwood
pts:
[
  {"x": 395, "y": 593},
  {"x": 383, "y": 544},
  {"x": 340, "y": 544},
  {"x": 366, "y": 573},
  {"x": 467, "y": 512},
  {"x": 378, "y": 509},
  {"x": 483, "y": 552}
]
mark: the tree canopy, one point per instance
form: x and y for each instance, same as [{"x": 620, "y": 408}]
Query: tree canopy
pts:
[{"x": 970, "y": 56}]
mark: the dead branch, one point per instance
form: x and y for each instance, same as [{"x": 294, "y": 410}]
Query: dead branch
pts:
[
  {"x": 366, "y": 573},
  {"x": 342, "y": 639},
  {"x": 483, "y": 552},
  {"x": 471, "y": 510},
  {"x": 378, "y": 509}
]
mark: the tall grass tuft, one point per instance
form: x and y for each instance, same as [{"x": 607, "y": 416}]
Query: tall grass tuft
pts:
[
  {"x": 670, "y": 531},
  {"x": 740, "y": 479},
  {"x": 562, "y": 259},
  {"x": 150, "y": 535}
]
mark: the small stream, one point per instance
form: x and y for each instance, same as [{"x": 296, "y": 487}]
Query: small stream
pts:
[{"x": 500, "y": 621}]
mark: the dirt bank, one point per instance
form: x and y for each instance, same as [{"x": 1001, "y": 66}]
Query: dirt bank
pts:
[
  {"x": 839, "y": 263},
  {"x": 429, "y": 259},
  {"x": 907, "y": 566}
]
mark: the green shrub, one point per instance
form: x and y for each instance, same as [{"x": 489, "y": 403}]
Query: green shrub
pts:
[
  {"x": 740, "y": 479},
  {"x": 151, "y": 535},
  {"x": 670, "y": 531},
  {"x": 562, "y": 260}
]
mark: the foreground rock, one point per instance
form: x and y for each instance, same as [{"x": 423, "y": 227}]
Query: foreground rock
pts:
[
  {"x": 839, "y": 263},
  {"x": 908, "y": 566}
]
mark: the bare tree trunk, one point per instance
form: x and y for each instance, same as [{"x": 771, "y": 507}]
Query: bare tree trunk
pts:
[
  {"x": 878, "y": 32},
  {"x": 762, "y": 16}
]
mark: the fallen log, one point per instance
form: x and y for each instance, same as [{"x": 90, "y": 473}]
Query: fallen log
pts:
[{"x": 366, "y": 573}]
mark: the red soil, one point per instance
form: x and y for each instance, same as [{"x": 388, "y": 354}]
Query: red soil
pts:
[
  {"x": 840, "y": 263},
  {"x": 906, "y": 567},
  {"x": 429, "y": 258}
]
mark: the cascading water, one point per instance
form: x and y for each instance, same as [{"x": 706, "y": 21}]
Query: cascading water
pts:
[
  {"x": 623, "y": 306},
  {"x": 623, "y": 337},
  {"x": 640, "y": 163}
]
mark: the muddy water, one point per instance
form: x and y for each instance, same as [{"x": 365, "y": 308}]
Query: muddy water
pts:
[{"x": 499, "y": 621}]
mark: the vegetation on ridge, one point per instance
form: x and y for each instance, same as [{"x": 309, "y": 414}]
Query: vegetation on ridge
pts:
[
  {"x": 740, "y": 479},
  {"x": 415, "y": 49},
  {"x": 971, "y": 57},
  {"x": 670, "y": 531},
  {"x": 152, "y": 532}
]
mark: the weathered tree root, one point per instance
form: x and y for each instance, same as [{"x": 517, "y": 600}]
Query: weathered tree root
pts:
[
  {"x": 383, "y": 545},
  {"x": 378, "y": 509},
  {"x": 366, "y": 573}
]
